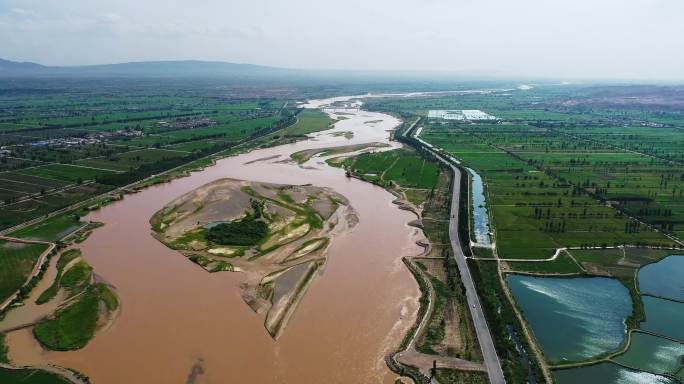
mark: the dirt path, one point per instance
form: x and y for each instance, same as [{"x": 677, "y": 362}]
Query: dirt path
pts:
[{"x": 425, "y": 362}]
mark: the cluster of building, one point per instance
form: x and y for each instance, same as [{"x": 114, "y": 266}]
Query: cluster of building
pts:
[
  {"x": 122, "y": 132},
  {"x": 187, "y": 123},
  {"x": 91, "y": 139},
  {"x": 64, "y": 142},
  {"x": 462, "y": 114}
]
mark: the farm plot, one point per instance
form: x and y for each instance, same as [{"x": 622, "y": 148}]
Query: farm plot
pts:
[
  {"x": 546, "y": 211},
  {"x": 66, "y": 172},
  {"x": 16, "y": 263}
]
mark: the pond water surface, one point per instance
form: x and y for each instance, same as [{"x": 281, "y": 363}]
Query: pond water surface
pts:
[
  {"x": 664, "y": 278},
  {"x": 608, "y": 373},
  {"x": 573, "y": 318}
]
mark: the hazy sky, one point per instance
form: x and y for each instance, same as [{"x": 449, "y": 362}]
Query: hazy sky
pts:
[{"x": 641, "y": 39}]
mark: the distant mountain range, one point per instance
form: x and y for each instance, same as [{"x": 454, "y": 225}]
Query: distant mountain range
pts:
[{"x": 187, "y": 68}]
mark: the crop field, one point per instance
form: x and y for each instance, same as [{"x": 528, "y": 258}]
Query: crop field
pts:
[
  {"x": 62, "y": 143},
  {"x": 16, "y": 263},
  {"x": 404, "y": 167},
  {"x": 53, "y": 229},
  {"x": 564, "y": 176},
  {"x": 546, "y": 210},
  {"x": 64, "y": 172}
]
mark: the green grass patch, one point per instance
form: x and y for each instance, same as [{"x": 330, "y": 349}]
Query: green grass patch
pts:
[
  {"x": 563, "y": 264},
  {"x": 452, "y": 376},
  {"x": 52, "y": 290},
  {"x": 73, "y": 327},
  {"x": 77, "y": 277},
  {"x": 434, "y": 334}
]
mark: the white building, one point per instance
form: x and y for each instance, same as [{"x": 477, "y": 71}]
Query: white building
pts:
[{"x": 464, "y": 114}]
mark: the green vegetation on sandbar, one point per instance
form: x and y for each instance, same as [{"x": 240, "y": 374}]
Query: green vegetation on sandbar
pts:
[
  {"x": 309, "y": 121},
  {"x": 16, "y": 263},
  {"x": 404, "y": 166},
  {"x": 77, "y": 277},
  {"x": 52, "y": 290},
  {"x": 247, "y": 231},
  {"x": 29, "y": 376},
  {"x": 73, "y": 327},
  {"x": 250, "y": 230},
  {"x": 88, "y": 305}
]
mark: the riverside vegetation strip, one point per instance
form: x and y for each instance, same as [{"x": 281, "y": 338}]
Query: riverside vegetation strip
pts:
[
  {"x": 277, "y": 235},
  {"x": 444, "y": 330}
]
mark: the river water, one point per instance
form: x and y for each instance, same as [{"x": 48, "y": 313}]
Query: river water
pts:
[{"x": 181, "y": 324}]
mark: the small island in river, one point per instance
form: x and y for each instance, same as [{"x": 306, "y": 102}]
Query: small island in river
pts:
[{"x": 278, "y": 235}]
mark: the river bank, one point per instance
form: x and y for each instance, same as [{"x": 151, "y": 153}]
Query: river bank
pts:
[{"x": 345, "y": 325}]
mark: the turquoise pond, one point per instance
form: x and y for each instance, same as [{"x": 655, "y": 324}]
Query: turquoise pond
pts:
[
  {"x": 607, "y": 373},
  {"x": 602, "y": 306},
  {"x": 653, "y": 354},
  {"x": 664, "y": 278},
  {"x": 664, "y": 317},
  {"x": 573, "y": 318}
]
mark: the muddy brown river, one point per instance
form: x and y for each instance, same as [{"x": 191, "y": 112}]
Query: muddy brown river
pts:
[{"x": 181, "y": 324}]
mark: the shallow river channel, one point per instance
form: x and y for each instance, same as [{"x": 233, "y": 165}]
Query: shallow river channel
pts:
[{"x": 181, "y": 324}]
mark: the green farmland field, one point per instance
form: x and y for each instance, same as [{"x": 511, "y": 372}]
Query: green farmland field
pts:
[{"x": 16, "y": 263}]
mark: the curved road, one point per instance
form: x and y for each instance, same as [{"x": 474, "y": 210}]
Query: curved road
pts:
[{"x": 484, "y": 336}]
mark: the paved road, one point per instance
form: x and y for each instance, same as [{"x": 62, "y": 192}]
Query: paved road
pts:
[
  {"x": 491, "y": 360},
  {"x": 484, "y": 336}
]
